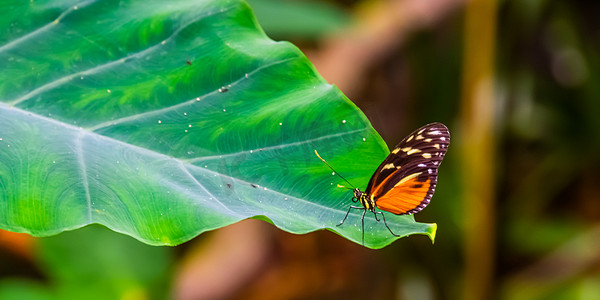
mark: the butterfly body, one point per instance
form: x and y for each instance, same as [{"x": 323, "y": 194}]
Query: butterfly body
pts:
[
  {"x": 365, "y": 201},
  {"x": 405, "y": 181}
]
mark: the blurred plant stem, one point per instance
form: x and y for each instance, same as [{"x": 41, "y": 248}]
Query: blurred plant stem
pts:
[
  {"x": 231, "y": 258},
  {"x": 478, "y": 144}
]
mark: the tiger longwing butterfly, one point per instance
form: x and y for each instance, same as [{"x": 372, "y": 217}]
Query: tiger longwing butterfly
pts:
[{"x": 405, "y": 181}]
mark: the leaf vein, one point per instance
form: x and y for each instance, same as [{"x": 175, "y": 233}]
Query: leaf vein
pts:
[
  {"x": 275, "y": 147},
  {"x": 213, "y": 197},
  {"x": 43, "y": 29},
  {"x": 60, "y": 81},
  {"x": 178, "y": 105},
  {"x": 83, "y": 171}
]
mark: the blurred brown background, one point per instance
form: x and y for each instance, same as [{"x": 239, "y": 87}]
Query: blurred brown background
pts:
[{"x": 518, "y": 198}]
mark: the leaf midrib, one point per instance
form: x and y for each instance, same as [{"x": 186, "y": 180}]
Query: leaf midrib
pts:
[{"x": 150, "y": 152}]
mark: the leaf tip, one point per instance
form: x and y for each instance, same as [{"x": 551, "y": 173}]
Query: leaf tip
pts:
[{"x": 431, "y": 231}]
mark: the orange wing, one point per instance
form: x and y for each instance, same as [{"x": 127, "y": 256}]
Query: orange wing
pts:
[{"x": 406, "y": 197}]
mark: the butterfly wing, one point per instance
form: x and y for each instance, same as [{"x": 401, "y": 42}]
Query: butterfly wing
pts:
[{"x": 405, "y": 181}]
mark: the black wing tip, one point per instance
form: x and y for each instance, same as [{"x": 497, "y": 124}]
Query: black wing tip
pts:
[{"x": 433, "y": 124}]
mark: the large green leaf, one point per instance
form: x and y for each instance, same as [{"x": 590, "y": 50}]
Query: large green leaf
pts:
[{"x": 165, "y": 119}]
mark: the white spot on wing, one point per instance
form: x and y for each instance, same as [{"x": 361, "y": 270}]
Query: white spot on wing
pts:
[
  {"x": 413, "y": 151},
  {"x": 388, "y": 166}
]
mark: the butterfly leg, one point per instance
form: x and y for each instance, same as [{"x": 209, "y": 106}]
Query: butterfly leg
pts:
[
  {"x": 386, "y": 225},
  {"x": 348, "y": 212},
  {"x": 375, "y": 214}
]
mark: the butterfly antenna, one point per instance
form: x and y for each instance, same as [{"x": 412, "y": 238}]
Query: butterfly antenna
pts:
[{"x": 319, "y": 156}]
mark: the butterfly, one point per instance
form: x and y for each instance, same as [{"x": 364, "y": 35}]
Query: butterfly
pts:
[{"x": 405, "y": 181}]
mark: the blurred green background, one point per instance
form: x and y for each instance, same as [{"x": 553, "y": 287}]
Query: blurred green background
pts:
[{"x": 518, "y": 197}]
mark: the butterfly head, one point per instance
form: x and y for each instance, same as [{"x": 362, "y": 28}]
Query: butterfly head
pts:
[
  {"x": 364, "y": 199},
  {"x": 357, "y": 193}
]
